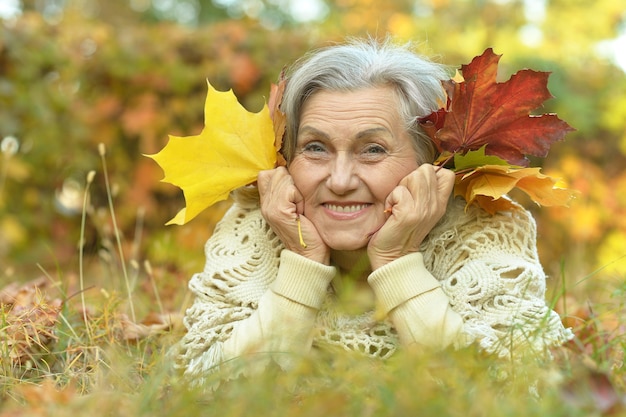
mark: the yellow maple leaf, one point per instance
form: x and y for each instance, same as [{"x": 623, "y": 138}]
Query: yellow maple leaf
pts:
[
  {"x": 229, "y": 153},
  {"x": 487, "y": 184}
]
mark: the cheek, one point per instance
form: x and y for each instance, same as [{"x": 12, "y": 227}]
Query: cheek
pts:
[
  {"x": 382, "y": 188},
  {"x": 385, "y": 180}
]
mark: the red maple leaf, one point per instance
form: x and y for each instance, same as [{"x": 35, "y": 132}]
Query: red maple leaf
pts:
[{"x": 481, "y": 111}]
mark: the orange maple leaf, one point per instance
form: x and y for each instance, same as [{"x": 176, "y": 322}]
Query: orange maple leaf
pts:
[
  {"x": 279, "y": 119},
  {"x": 487, "y": 184}
]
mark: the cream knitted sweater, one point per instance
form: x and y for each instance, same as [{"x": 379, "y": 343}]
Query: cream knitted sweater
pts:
[{"x": 476, "y": 280}]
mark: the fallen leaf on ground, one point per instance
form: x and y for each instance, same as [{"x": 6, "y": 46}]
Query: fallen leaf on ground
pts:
[{"x": 152, "y": 324}]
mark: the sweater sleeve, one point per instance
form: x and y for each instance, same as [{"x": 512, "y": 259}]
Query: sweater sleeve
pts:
[
  {"x": 490, "y": 271},
  {"x": 254, "y": 300},
  {"x": 284, "y": 319},
  {"x": 415, "y": 303}
]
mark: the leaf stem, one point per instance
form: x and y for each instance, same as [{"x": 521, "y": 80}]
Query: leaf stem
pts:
[
  {"x": 300, "y": 232},
  {"x": 445, "y": 161}
]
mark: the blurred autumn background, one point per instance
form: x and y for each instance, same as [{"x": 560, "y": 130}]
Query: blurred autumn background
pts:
[
  {"x": 75, "y": 74},
  {"x": 125, "y": 74}
]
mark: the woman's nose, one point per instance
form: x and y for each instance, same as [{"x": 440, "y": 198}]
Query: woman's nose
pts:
[{"x": 342, "y": 177}]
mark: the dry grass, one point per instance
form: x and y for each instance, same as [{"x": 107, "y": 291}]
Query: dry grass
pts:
[{"x": 73, "y": 345}]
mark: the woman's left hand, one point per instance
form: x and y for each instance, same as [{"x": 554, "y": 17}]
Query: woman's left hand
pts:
[{"x": 416, "y": 205}]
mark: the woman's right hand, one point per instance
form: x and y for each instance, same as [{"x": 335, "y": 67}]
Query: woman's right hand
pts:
[{"x": 281, "y": 205}]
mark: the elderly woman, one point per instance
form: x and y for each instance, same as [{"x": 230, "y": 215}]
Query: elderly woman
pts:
[{"x": 385, "y": 257}]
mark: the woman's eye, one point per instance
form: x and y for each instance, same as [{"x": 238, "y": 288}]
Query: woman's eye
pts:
[
  {"x": 375, "y": 150},
  {"x": 314, "y": 147}
]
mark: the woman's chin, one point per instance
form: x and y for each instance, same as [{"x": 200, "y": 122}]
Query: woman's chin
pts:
[{"x": 347, "y": 244}]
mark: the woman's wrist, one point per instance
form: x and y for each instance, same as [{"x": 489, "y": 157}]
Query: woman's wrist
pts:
[
  {"x": 397, "y": 282},
  {"x": 301, "y": 279},
  {"x": 318, "y": 254},
  {"x": 379, "y": 260}
]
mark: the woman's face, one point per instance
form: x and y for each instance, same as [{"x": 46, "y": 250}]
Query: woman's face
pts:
[{"x": 351, "y": 151}]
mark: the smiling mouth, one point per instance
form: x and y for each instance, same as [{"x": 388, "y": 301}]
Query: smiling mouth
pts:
[{"x": 352, "y": 208}]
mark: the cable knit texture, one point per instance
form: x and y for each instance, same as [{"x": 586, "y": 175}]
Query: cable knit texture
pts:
[{"x": 486, "y": 273}]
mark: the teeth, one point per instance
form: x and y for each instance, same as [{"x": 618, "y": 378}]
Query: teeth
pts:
[{"x": 346, "y": 209}]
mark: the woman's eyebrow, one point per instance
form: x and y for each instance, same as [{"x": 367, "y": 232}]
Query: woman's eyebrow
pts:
[
  {"x": 373, "y": 132},
  {"x": 361, "y": 135},
  {"x": 310, "y": 130}
]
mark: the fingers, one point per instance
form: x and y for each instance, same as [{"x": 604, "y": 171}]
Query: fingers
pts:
[
  {"x": 427, "y": 186},
  {"x": 445, "y": 182},
  {"x": 400, "y": 199},
  {"x": 266, "y": 180},
  {"x": 277, "y": 190},
  {"x": 263, "y": 180},
  {"x": 282, "y": 206},
  {"x": 278, "y": 202},
  {"x": 429, "y": 178},
  {"x": 417, "y": 204}
]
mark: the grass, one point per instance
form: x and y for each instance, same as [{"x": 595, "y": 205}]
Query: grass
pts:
[{"x": 73, "y": 346}]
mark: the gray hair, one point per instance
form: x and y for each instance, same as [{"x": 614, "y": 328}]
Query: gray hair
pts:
[{"x": 363, "y": 64}]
